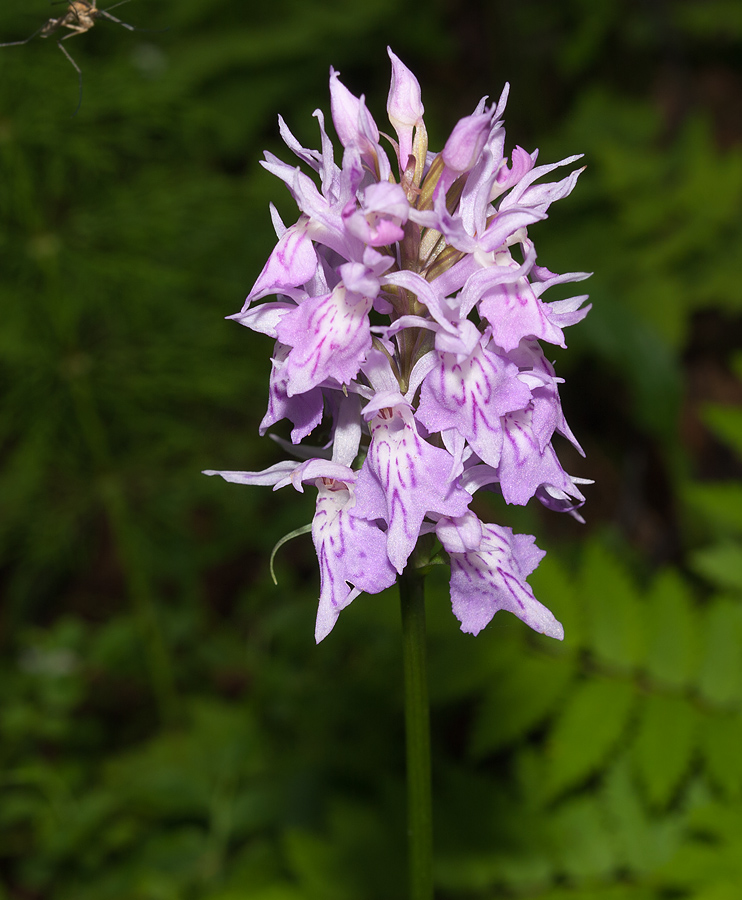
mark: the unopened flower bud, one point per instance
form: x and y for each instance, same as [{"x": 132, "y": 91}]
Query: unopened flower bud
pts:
[
  {"x": 404, "y": 106},
  {"x": 466, "y": 142}
]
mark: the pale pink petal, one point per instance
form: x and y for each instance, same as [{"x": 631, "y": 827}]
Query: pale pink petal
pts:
[
  {"x": 493, "y": 577},
  {"x": 403, "y": 478},
  {"x": 329, "y": 336}
]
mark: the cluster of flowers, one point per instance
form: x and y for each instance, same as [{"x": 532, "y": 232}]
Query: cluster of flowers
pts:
[{"x": 409, "y": 311}]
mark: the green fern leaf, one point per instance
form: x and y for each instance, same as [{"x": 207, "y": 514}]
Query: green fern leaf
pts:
[
  {"x": 602, "y": 892},
  {"x": 664, "y": 745},
  {"x": 720, "y": 504},
  {"x": 314, "y": 861},
  {"x": 721, "y": 564},
  {"x": 709, "y": 863},
  {"x": 720, "y": 675},
  {"x": 721, "y": 743},
  {"x": 673, "y": 632},
  {"x": 642, "y": 843},
  {"x": 616, "y": 623},
  {"x": 517, "y": 701},
  {"x": 585, "y": 848},
  {"x": 589, "y": 727}
]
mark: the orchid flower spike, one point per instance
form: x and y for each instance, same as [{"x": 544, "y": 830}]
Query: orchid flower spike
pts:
[{"x": 407, "y": 318}]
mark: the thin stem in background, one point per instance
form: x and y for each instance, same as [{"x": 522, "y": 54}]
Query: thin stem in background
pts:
[
  {"x": 126, "y": 540},
  {"x": 125, "y": 534}
]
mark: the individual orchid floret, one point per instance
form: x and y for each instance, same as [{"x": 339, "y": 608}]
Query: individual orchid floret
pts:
[
  {"x": 292, "y": 263},
  {"x": 404, "y": 477},
  {"x": 303, "y": 410},
  {"x": 407, "y": 314},
  {"x": 351, "y": 551},
  {"x": 329, "y": 336},
  {"x": 383, "y": 213},
  {"x": 525, "y": 464},
  {"x": 514, "y": 312},
  {"x": 472, "y": 395},
  {"x": 489, "y": 567}
]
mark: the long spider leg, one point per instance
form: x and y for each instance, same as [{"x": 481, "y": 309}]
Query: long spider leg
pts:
[
  {"x": 18, "y": 43},
  {"x": 120, "y": 3},
  {"x": 77, "y": 69},
  {"x": 104, "y": 12},
  {"x": 107, "y": 15}
]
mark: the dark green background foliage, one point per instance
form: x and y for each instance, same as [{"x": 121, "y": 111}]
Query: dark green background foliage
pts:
[{"x": 168, "y": 729}]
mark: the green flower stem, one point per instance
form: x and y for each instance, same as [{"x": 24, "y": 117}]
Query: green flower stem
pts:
[{"x": 417, "y": 722}]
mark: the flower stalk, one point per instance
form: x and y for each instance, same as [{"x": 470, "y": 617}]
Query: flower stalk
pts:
[{"x": 417, "y": 729}]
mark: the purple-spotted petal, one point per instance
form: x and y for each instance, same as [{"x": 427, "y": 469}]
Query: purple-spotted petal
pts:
[
  {"x": 515, "y": 312},
  {"x": 303, "y": 410},
  {"x": 493, "y": 577},
  {"x": 523, "y": 465},
  {"x": 472, "y": 395},
  {"x": 329, "y": 336},
  {"x": 292, "y": 263},
  {"x": 403, "y": 478},
  {"x": 351, "y": 553}
]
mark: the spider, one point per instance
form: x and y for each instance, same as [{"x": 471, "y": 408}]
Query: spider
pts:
[{"x": 80, "y": 17}]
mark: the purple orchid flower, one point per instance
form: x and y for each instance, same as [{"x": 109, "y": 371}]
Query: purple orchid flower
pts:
[{"x": 408, "y": 311}]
